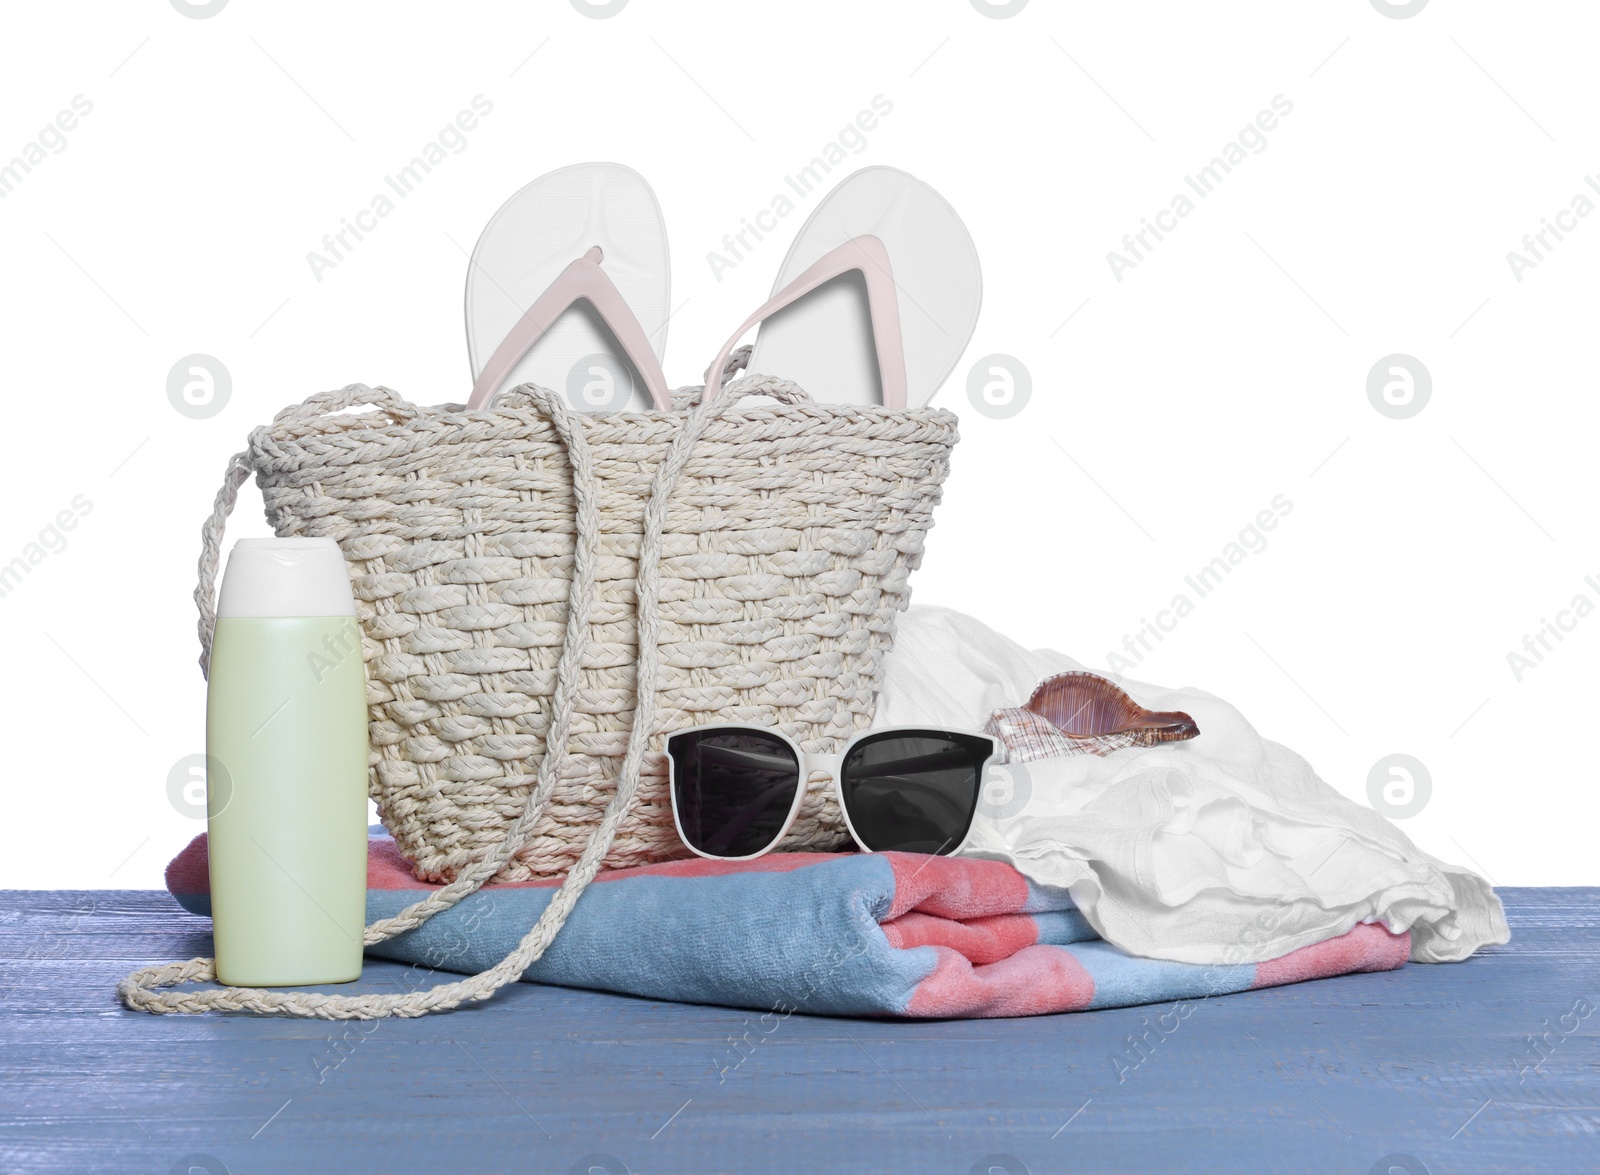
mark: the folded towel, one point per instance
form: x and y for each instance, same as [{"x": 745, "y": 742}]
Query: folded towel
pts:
[
  {"x": 1190, "y": 851},
  {"x": 879, "y": 934}
]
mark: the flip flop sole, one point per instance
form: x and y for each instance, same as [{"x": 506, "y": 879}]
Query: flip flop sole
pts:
[
  {"x": 824, "y": 341},
  {"x": 526, "y": 245}
]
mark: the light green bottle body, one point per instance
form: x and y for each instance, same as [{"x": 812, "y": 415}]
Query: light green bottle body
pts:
[{"x": 286, "y": 733}]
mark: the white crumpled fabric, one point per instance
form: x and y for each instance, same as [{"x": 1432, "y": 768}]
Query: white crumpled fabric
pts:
[{"x": 1226, "y": 848}]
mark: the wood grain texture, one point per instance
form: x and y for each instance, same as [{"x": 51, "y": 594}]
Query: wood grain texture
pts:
[{"x": 1434, "y": 1062}]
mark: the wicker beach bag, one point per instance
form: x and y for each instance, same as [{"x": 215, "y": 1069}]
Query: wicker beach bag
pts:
[{"x": 544, "y": 594}]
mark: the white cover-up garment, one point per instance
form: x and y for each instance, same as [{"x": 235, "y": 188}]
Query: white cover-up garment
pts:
[{"x": 1226, "y": 848}]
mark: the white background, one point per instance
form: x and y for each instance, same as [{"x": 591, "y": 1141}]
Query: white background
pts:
[{"x": 1168, "y": 408}]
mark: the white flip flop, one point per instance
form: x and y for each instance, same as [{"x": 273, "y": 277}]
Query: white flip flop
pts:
[
  {"x": 569, "y": 288},
  {"x": 822, "y": 337}
]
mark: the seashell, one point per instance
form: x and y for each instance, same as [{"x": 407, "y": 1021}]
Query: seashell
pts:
[
  {"x": 1087, "y": 706},
  {"x": 1027, "y": 737}
]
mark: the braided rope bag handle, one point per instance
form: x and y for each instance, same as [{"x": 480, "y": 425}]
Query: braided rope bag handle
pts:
[{"x": 140, "y": 989}]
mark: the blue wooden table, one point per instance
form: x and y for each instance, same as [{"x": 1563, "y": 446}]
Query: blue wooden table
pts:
[{"x": 1491, "y": 1065}]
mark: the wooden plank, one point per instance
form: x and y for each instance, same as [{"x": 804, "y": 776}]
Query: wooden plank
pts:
[{"x": 1436, "y": 1062}]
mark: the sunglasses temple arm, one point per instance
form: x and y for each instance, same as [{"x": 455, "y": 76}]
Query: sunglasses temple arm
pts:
[
  {"x": 938, "y": 759},
  {"x": 747, "y": 814},
  {"x": 736, "y": 757}
]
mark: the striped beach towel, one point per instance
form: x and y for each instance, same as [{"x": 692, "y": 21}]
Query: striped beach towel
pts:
[{"x": 855, "y": 934}]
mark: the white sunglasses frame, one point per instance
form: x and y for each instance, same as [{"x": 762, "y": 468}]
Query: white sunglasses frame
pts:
[{"x": 828, "y": 765}]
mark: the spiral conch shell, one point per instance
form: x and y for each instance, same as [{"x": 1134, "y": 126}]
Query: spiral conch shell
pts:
[{"x": 1083, "y": 714}]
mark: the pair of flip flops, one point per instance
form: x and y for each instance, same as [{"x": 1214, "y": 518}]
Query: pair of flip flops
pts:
[{"x": 569, "y": 288}]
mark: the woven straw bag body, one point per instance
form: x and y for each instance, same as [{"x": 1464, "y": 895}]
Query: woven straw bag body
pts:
[
  {"x": 543, "y": 594},
  {"x": 784, "y": 557}
]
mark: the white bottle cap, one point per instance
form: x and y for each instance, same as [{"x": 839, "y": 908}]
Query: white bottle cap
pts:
[{"x": 286, "y": 577}]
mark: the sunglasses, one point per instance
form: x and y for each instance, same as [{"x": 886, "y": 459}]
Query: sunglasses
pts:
[{"x": 737, "y": 789}]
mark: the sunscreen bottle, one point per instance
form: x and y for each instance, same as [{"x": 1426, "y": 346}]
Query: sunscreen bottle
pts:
[{"x": 286, "y": 745}]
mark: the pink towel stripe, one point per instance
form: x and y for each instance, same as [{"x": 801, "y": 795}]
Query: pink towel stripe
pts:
[
  {"x": 982, "y": 940},
  {"x": 1369, "y": 947},
  {"x": 955, "y": 887},
  {"x": 1034, "y": 981}
]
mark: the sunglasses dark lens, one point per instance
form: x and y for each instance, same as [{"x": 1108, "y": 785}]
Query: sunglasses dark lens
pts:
[
  {"x": 733, "y": 789},
  {"x": 914, "y": 791}
]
